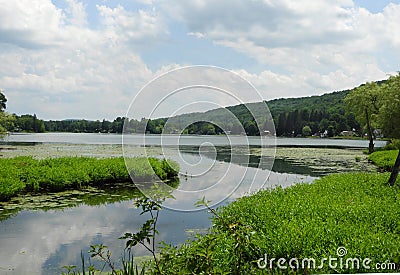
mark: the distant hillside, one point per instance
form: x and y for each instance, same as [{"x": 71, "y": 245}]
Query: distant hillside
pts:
[
  {"x": 326, "y": 102},
  {"x": 322, "y": 114}
]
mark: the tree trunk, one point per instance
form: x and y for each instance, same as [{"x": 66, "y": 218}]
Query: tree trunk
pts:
[
  {"x": 395, "y": 171},
  {"x": 371, "y": 138}
]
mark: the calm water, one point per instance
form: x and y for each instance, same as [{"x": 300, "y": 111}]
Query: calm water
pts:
[
  {"x": 41, "y": 242},
  {"x": 79, "y": 138}
]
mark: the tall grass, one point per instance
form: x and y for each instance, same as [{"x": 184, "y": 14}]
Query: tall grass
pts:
[{"x": 23, "y": 174}]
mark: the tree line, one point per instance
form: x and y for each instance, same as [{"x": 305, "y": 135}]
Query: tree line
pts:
[
  {"x": 85, "y": 126},
  {"x": 306, "y": 123},
  {"x": 32, "y": 124},
  {"x": 292, "y": 117}
]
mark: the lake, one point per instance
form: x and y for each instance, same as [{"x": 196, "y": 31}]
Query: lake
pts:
[
  {"x": 79, "y": 138},
  {"x": 43, "y": 233}
]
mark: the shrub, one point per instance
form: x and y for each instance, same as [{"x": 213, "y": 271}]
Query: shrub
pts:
[
  {"x": 384, "y": 159},
  {"x": 394, "y": 144}
]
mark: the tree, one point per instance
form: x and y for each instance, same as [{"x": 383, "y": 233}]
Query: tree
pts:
[
  {"x": 208, "y": 129},
  {"x": 330, "y": 131},
  {"x": 118, "y": 124},
  {"x": 323, "y": 125},
  {"x": 29, "y": 123},
  {"x": 306, "y": 131},
  {"x": 389, "y": 117},
  {"x": 364, "y": 102},
  {"x": 3, "y": 101},
  {"x": 150, "y": 127},
  {"x": 105, "y": 126},
  {"x": 281, "y": 127},
  {"x": 6, "y": 120},
  {"x": 251, "y": 128}
]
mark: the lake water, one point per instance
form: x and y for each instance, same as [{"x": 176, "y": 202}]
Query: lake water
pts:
[
  {"x": 40, "y": 240},
  {"x": 79, "y": 138}
]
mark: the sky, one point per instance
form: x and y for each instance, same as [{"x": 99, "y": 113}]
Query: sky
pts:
[{"x": 88, "y": 59}]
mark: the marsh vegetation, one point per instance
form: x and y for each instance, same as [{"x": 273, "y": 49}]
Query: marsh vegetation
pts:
[{"x": 26, "y": 174}]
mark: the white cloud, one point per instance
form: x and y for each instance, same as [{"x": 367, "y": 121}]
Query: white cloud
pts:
[
  {"x": 268, "y": 23},
  {"x": 137, "y": 27},
  {"x": 29, "y": 23},
  {"x": 67, "y": 69},
  {"x": 146, "y": 2},
  {"x": 78, "y": 14},
  {"x": 320, "y": 45},
  {"x": 47, "y": 234}
]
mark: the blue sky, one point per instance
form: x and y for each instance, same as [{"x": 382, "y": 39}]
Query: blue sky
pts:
[{"x": 88, "y": 59}]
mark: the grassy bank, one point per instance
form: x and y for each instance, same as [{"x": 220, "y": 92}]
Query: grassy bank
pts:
[
  {"x": 357, "y": 211},
  {"x": 384, "y": 159},
  {"x": 22, "y": 174}
]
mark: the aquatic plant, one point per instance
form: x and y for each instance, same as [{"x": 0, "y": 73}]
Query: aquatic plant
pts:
[{"x": 22, "y": 174}]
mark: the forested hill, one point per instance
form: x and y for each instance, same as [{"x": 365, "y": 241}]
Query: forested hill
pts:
[
  {"x": 320, "y": 113},
  {"x": 323, "y": 102},
  {"x": 292, "y": 117}
]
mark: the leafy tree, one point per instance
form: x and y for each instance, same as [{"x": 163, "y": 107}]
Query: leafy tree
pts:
[
  {"x": 150, "y": 127},
  {"x": 364, "y": 102},
  {"x": 323, "y": 125},
  {"x": 306, "y": 131},
  {"x": 118, "y": 125},
  {"x": 281, "y": 125},
  {"x": 6, "y": 120},
  {"x": 106, "y": 126},
  {"x": 29, "y": 123},
  {"x": 3, "y": 101},
  {"x": 208, "y": 129},
  {"x": 331, "y": 131},
  {"x": 389, "y": 116},
  {"x": 251, "y": 128}
]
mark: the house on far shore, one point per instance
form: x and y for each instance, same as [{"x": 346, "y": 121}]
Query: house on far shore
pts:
[
  {"x": 347, "y": 133},
  {"x": 266, "y": 133},
  {"x": 378, "y": 133}
]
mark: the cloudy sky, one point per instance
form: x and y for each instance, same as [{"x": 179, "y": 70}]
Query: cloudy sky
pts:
[{"x": 88, "y": 59}]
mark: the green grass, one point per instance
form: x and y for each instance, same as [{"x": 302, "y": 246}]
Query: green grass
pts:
[
  {"x": 357, "y": 211},
  {"x": 21, "y": 174},
  {"x": 384, "y": 159}
]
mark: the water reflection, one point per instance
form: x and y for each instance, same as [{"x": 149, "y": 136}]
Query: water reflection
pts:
[
  {"x": 90, "y": 196},
  {"x": 315, "y": 162},
  {"x": 224, "y": 154},
  {"x": 41, "y": 242}
]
